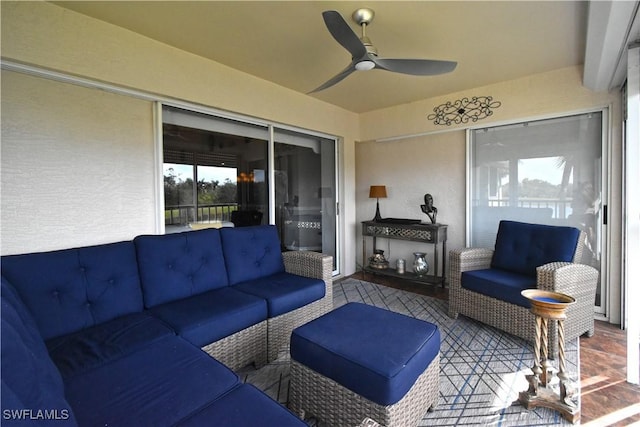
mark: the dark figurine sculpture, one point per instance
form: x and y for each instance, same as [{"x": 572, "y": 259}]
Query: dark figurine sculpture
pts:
[{"x": 429, "y": 209}]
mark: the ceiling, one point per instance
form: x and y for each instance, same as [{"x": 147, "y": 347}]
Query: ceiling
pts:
[{"x": 287, "y": 43}]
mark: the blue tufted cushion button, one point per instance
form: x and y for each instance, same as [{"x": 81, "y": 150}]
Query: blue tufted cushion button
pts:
[{"x": 55, "y": 293}]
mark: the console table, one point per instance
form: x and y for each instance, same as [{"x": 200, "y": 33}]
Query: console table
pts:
[{"x": 435, "y": 234}]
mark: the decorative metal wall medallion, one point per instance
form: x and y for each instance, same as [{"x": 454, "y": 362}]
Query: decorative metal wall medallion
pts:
[{"x": 464, "y": 110}]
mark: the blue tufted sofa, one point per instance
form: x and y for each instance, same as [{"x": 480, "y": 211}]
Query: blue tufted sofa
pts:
[{"x": 113, "y": 335}]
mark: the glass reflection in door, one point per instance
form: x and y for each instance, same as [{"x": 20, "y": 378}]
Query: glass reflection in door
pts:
[{"x": 305, "y": 193}]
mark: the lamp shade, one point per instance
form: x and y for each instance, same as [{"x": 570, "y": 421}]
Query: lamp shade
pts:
[{"x": 378, "y": 192}]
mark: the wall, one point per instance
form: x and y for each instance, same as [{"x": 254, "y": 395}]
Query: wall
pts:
[
  {"x": 436, "y": 162},
  {"x": 77, "y": 167},
  {"x": 409, "y": 169},
  {"x": 51, "y": 37}
]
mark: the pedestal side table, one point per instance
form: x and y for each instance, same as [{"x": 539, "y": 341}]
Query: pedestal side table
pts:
[{"x": 546, "y": 306}]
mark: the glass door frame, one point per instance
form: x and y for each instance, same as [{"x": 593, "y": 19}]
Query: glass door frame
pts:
[{"x": 270, "y": 126}]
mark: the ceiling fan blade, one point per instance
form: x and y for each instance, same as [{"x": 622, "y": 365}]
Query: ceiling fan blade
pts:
[
  {"x": 335, "y": 79},
  {"x": 416, "y": 67},
  {"x": 342, "y": 32}
]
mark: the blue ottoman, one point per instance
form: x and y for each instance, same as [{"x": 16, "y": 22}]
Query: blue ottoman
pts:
[{"x": 360, "y": 361}]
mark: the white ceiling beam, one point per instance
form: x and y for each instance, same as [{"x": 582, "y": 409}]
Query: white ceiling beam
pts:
[{"x": 609, "y": 28}]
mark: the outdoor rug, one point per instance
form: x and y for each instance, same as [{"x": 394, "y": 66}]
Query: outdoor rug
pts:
[{"x": 482, "y": 369}]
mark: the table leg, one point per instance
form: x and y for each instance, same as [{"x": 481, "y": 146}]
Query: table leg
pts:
[
  {"x": 435, "y": 260},
  {"x": 444, "y": 261},
  {"x": 364, "y": 255}
]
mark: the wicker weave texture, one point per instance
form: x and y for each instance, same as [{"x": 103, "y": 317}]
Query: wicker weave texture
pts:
[
  {"x": 242, "y": 348},
  {"x": 312, "y": 394},
  {"x": 279, "y": 328},
  {"x": 576, "y": 280},
  {"x": 261, "y": 343},
  {"x": 308, "y": 264}
]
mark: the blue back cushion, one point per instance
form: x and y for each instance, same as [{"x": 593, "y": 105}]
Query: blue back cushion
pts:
[
  {"x": 251, "y": 252},
  {"x": 180, "y": 265},
  {"x": 29, "y": 378},
  {"x": 521, "y": 247},
  {"x": 73, "y": 289}
]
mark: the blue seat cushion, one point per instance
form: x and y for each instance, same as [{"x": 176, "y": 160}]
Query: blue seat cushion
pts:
[
  {"x": 499, "y": 284},
  {"x": 244, "y": 406},
  {"x": 251, "y": 252},
  {"x": 374, "y": 352},
  {"x": 94, "y": 346},
  {"x": 72, "y": 289},
  {"x": 30, "y": 380},
  {"x": 213, "y": 315},
  {"x": 284, "y": 292},
  {"x": 179, "y": 265},
  {"x": 157, "y": 385},
  {"x": 522, "y": 247}
]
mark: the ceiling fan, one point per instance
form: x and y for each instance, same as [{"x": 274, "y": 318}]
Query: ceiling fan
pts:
[{"x": 364, "y": 56}]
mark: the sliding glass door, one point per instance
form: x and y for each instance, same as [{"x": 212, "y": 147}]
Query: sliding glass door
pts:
[
  {"x": 214, "y": 171},
  {"x": 220, "y": 171},
  {"x": 305, "y": 182},
  {"x": 546, "y": 172}
]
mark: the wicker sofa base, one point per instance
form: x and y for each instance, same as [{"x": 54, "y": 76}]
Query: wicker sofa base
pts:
[
  {"x": 242, "y": 348},
  {"x": 279, "y": 328},
  {"x": 312, "y": 394}
]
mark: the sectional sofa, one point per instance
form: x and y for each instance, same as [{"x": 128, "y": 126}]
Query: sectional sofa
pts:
[{"x": 149, "y": 331}]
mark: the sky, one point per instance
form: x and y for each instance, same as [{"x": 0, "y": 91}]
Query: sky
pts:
[{"x": 545, "y": 169}]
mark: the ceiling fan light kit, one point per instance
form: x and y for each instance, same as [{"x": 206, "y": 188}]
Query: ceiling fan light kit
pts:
[
  {"x": 364, "y": 56},
  {"x": 365, "y": 65}
]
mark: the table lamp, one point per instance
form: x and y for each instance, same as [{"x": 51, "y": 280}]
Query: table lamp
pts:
[{"x": 377, "y": 191}]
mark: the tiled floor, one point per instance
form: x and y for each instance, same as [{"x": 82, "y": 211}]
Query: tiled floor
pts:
[{"x": 607, "y": 399}]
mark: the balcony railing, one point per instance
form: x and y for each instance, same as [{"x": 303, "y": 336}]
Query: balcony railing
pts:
[
  {"x": 561, "y": 208},
  {"x": 186, "y": 214}
]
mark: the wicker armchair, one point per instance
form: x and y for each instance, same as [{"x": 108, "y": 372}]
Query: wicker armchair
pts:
[{"x": 570, "y": 278}]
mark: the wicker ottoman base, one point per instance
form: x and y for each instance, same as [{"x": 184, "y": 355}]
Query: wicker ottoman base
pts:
[{"x": 312, "y": 394}]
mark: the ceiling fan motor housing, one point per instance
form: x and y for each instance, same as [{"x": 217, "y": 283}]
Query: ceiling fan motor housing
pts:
[{"x": 363, "y": 16}]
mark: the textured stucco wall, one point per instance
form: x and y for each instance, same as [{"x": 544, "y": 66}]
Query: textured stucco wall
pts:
[{"x": 77, "y": 166}]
